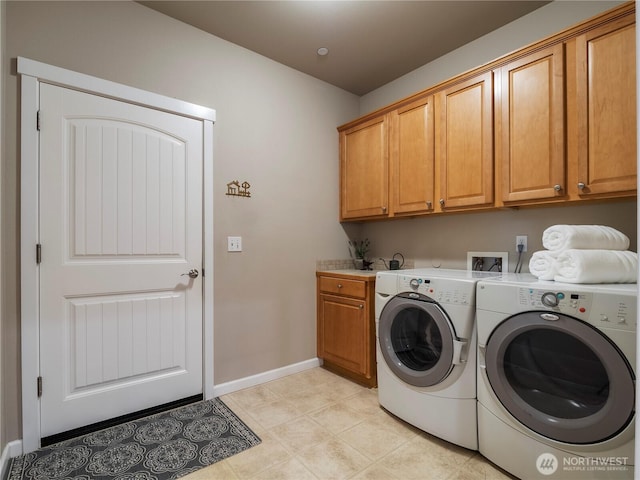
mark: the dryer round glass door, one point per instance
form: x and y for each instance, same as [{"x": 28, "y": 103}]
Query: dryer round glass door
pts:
[
  {"x": 417, "y": 340},
  {"x": 560, "y": 377}
]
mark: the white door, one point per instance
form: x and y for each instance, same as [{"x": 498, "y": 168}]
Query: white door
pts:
[{"x": 120, "y": 222}]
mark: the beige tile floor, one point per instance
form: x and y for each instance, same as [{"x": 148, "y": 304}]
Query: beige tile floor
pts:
[{"x": 318, "y": 426}]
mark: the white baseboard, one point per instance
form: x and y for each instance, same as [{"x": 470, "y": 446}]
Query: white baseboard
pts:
[
  {"x": 253, "y": 380},
  {"x": 11, "y": 450}
]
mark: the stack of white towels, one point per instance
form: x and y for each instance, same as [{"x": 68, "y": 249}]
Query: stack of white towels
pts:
[{"x": 585, "y": 254}]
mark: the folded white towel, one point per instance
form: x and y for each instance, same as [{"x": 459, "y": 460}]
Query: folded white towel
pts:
[
  {"x": 597, "y": 266},
  {"x": 564, "y": 237},
  {"x": 543, "y": 264}
]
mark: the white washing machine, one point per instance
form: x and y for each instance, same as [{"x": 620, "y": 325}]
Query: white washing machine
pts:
[
  {"x": 426, "y": 350},
  {"x": 556, "y": 377}
]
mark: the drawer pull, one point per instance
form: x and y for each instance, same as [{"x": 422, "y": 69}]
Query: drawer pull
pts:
[
  {"x": 361, "y": 306},
  {"x": 339, "y": 285}
]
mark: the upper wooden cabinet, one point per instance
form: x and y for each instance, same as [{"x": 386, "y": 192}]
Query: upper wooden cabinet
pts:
[
  {"x": 606, "y": 108},
  {"x": 530, "y": 126},
  {"x": 464, "y": 147},
  {"x": 411, "y": 157},
  {"x": 364, "y": 170},
  {"x": 553, "y": 122}
]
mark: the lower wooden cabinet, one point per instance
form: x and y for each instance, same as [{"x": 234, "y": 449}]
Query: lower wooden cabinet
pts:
[{"x": 346, "y": 325}]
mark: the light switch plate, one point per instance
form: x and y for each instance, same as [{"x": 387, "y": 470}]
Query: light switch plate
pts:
[{"x": 234, "y": 244}]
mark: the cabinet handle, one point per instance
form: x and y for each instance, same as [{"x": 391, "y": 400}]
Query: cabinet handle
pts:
[
  {"x": 557, "y": 187},
  {"x": 339, "y": 285},
  {"x": 360, "y": 306},
  {"x": 581, "y": 185},
  {"x": 429, "y": 204},
  {"x": 384, "y": 209},
  {"x": 442, "y": 201}
]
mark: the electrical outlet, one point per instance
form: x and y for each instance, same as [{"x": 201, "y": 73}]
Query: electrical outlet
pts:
[
  {"x": 521, "y": 240},
  {"x": 234, "y": 244}
]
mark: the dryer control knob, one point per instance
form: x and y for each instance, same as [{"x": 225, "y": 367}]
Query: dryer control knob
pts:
[
  {"x": 414, "y": 283},
  {"x": 549, "y": 299}
]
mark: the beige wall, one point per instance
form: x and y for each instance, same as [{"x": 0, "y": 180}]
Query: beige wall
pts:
[
  {"x": 445, "y": 240},
  {"x": 276, "y": 129},
  {"x": 540, "y": 23}
]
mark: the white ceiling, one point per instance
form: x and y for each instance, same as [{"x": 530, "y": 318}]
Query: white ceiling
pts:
[{"x": 370, "y": 42}]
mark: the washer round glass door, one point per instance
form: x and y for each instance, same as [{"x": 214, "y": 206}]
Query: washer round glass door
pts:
[
  {"x": 416, "y": 339},
  {"x": 560, "y": 377}
]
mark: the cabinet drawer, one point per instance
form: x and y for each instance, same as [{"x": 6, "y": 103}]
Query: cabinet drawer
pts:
[{"x": 340, "y": 286}]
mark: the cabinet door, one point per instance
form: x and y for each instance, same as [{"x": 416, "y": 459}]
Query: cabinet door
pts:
[
  {"x": 412, "y": 155},
  {"x": 364, "y": 159},
  {"x": 343, "y": 332},
  {"x": 530, "y": 136},
  {"x": 465, "y": 149},
  {"x": 606, "y": 108}
]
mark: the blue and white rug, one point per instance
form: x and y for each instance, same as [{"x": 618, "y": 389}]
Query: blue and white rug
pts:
[{"x": 163, "y": 446}]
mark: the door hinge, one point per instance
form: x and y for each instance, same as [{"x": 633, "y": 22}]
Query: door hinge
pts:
[
  {"x": 38, "y": 120},
  {"x": 38, "y": 253},
  {"x": 39, "y": 387}
]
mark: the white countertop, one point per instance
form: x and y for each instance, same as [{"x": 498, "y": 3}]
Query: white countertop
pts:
[{"x": 351, "y": 271}]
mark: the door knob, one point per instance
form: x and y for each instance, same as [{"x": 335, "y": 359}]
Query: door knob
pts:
[{"x": 193, "y": 273}]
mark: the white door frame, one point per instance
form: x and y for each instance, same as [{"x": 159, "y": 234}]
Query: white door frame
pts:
[{"x": 31, "y": 74}]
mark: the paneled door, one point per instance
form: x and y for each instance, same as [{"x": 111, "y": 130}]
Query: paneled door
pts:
[{"x": 120, "y": 226}]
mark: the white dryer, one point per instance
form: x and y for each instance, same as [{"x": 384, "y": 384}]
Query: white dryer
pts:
[
  {"x": 556, "y": 377},
  {"x": 426, "y": 350}
]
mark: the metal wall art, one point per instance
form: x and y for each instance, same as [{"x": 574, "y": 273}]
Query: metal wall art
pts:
[{"x": 238, "y": 189}]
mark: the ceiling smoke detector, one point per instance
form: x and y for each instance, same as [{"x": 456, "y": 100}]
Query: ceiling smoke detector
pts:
[{"x": 322, "y": 51}]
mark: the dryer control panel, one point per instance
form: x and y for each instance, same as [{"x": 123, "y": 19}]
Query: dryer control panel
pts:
[
  {"x": 605, "y": 310},
  {"x": 442, "y": 290},
  {"x": 565, "y": 302}
]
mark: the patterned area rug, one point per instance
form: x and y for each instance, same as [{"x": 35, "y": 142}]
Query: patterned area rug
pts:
[{"x": 163, "y": 446}]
